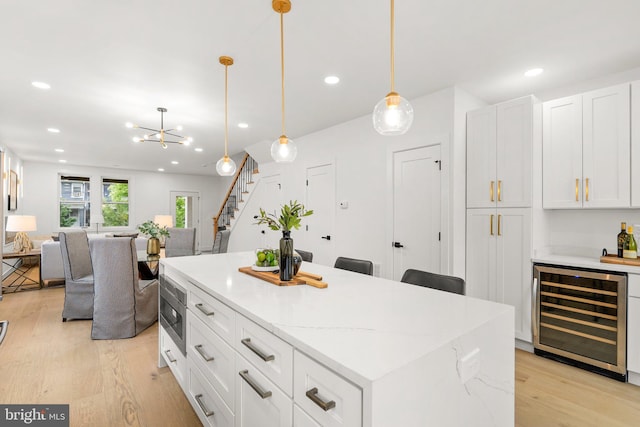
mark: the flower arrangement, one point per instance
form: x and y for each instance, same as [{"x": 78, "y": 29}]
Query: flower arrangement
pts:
[
  {"x": 290, "y": 217},
  {"x": 153, "y": 229}
]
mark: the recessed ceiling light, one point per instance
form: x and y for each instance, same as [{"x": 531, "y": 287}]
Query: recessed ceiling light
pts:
[
  {"x": 173, "y": 162},
  {"x": 533, "y": 72},
  {"x": 59, "y": 150},
  {"x": 62, "y": 161},
  {"x": 53, "y": 130},
  {"x": 243, "y": 125},
  {"x": 160, "y": 169},
  {"x": 199, "y": 150},
  {"x": 332, "y": 80},
  {"x": 41, "y": 85}
]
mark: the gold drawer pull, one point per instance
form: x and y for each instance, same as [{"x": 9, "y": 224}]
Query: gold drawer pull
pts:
[
  {"x": 499, "y": 190},
  {"x": 491, "y": 224},
  {"x": 577, "y": 183},
  {"x": 491, "y": 190},
  {"x": 586, "y": 194},
  {"x": 313, "y": 395},
  {"x": 499, "y": 223}
]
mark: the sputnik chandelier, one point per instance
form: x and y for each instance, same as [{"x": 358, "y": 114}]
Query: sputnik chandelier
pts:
[{"x": 161, "y": 135}]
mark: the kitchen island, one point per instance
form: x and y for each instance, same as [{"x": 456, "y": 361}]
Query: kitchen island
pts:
[{"x": 363, "y": 352}]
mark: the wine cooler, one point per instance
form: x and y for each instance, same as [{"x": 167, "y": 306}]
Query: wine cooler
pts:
[{"x": 580, "y": 317}]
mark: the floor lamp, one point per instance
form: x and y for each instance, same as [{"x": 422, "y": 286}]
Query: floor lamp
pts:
[{"x": 21, "y": 224}]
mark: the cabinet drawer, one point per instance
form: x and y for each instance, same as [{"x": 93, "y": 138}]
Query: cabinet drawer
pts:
[
  {"x": 327, "y": 397},
  {"x": 272, "y": 356},
  {"x": 302, "y": 419},
  {"x": 214, "y": 357},
  {"x": 258, "y": 401},
  {"x": 206, "y": 402},
  {"x": 212, "y": 312},
  {"x": 176, "y": 361}
]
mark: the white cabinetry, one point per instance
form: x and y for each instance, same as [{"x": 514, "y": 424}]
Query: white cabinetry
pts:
[
  {"x": 586, "y": 150},
  {"x": 499, "y": 261},
  {"x": 635, "y": 144},
  {"x": 173, "y": 358},
  {"x": 499, "y": 147},
  {"x": 633, "y": 329}
]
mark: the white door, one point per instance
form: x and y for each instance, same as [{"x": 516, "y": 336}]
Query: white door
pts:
[
  {"x": 481, "y": 253},
  {"x": 481, "y": 148},
  {"x": 635, "y": 144},
  {"x": 268, "y": 196},
  {"x": 513, "y": 153},
  {"x": 513, "y": 266},
  {"x": 562, "y": 153},
  {"x": 185, "y": 210},
  {"x": 416, "y": 210},
  {"x": 606, "y": 148},
  {"x": 319, "y": 226}
]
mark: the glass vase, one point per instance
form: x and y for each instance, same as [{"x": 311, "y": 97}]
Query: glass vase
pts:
[{"x": 286, "y": 257}]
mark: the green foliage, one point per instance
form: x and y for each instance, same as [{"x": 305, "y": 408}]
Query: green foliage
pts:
[
  {"x": 152, "y": 229},
  {"x": 115, "y": 206},
  {"x": 180, "y": 211},
  {"x": 290, "y": 217},
  {"x": 66, "y": 220}
]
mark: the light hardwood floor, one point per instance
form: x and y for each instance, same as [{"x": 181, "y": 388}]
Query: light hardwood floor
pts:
[{"x": 117, "y": 382}]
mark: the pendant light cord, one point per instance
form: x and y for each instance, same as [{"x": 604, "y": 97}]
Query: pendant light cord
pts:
[
  {"x": 282, "y": 65},
  {"x": 392, "y": 46},
  {"x": 226, "y": 128}
]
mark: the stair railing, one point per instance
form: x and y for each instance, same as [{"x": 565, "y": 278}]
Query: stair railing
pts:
[{"x": 238, "y": 187}]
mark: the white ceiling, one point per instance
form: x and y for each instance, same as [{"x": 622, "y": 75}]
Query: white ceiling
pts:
[{"x": 110, "y": 62}]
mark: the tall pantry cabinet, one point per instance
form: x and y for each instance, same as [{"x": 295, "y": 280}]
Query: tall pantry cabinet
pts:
[{"x": 499, "y": 200}]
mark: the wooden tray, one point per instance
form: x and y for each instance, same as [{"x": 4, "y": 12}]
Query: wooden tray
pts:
[
  {"x": 613, "y": 259},
  {"x": 302, "y": 278}
]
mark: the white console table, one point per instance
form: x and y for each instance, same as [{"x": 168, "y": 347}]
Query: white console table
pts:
[{"x": 363, "y": 352}]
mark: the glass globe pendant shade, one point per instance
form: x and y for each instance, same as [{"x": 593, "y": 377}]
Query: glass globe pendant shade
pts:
[
  {"x": 284, "y": 150},
  {"x": 226, "y": 166},
  {"x": 393, "y": 115}
]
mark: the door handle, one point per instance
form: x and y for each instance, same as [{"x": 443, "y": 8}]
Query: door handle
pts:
[
  {"x": 326, "y": 237},
  {"x": 398, "y": 245}
]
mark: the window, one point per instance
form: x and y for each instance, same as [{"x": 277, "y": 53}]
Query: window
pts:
[
  {"x": 75, "y": 205},
  {"x": 115, "y": 202}
]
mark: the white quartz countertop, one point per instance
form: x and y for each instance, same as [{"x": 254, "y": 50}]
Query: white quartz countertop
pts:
[
  {"x": 360, "y": 326},
  {"x": 584, "y": 262}
]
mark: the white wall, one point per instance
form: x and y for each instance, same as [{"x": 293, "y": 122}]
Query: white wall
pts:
[
  {"x": 360, "y": 156},
  {"x": 148, "y": 194}
]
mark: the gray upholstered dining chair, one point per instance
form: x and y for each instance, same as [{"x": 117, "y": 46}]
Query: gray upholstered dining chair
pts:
[
  {"x": 440, "y": 282},
  {"x": 221, "y": 242},
  {"x": 305, "y": 255},
  {"x": 123, "y": 305},
  {"x": 353, "y": 264},
  {"x": 181, "y": 242},
  {"x": 78, "y": 275}
]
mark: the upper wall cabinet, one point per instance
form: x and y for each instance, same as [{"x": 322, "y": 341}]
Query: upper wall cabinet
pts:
[
  {"x": 635, "y": 144},
  {"x": 499, "y": 155},
  {"x": 586, "y": 149}
]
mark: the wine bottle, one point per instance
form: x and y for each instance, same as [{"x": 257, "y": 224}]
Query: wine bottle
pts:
[
  {"x": 630, "y": 247},
  {"x": 622, "y": 235}
]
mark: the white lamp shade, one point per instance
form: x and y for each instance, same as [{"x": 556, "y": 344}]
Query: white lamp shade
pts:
[
  {"x": 97, "y": 219},
  {"x": 163, "y": 220},
  {"x": 21, "y": 223}
]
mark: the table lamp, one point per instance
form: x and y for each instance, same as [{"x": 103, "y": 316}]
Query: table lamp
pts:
[
  {"x": 21, "y": 224},
  {"x": 163, "y": 221},
  {"x": 97, "y": 219}
]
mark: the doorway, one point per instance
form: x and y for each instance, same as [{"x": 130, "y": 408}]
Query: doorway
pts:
[
  {"x": 319, "y": 226},
  {"x": 185, "y": 210}
]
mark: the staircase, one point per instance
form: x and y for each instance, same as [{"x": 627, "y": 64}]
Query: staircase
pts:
[{"x": 238, "y": 192}]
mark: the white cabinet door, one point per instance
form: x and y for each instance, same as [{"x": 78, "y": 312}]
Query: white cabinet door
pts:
[
  {"x": 481, "y": 253},
  {"x": 562, "y": 153},
  {"x": 635, "y": 144},
  {"x": 259, "y": 402},
  {"x": 513, "y": 266},
  {"x": 606, "y": 148},
  {"x": 481, "y": 158},
  {"x": 513, "y": 153}
]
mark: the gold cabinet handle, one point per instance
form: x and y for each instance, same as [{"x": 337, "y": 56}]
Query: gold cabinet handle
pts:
[
  {"x": 499, "y": 223},
  {"x": 577, "y": 183},
  {"x": 499, "y": 190},
  {"x": 586, "y": 193},
  {"x": 491, "y": 190},
  {"x": 491, "y": 224}
]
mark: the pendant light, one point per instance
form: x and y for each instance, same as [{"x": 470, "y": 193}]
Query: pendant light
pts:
[
  {"x": 283, "y": 149},
  {"x": 393, "y": 115},
  {"x": 226, "y": 166}
]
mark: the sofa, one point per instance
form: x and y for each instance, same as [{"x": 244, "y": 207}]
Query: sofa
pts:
[{"x": 51, "y": 268}]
